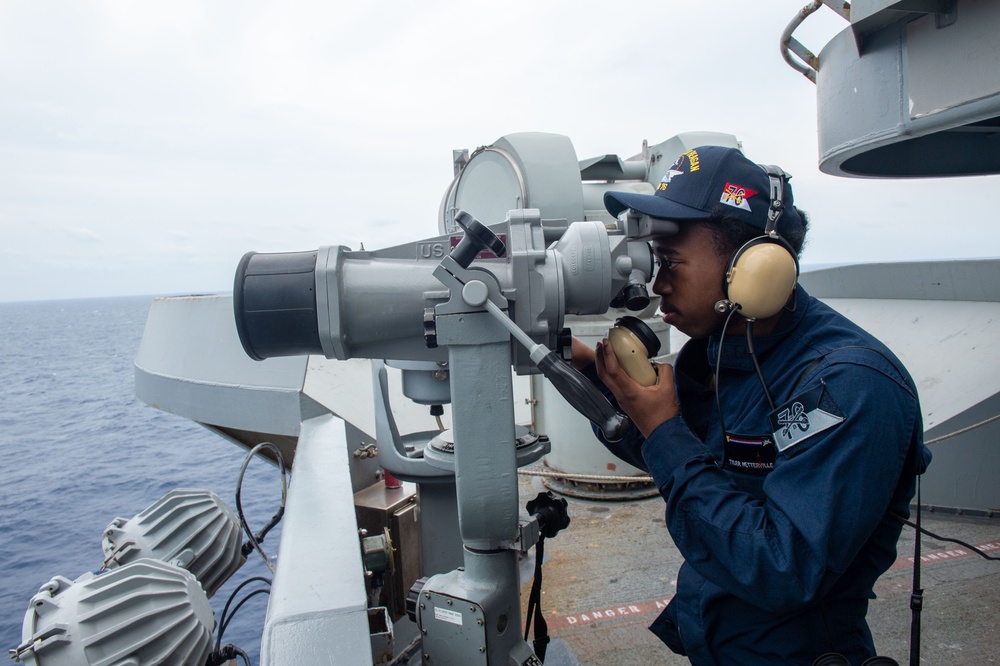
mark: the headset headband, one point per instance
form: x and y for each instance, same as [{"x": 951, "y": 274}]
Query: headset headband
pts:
[{"x": 777, "y": 177}]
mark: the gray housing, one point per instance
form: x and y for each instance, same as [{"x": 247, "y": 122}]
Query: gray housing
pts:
[
  {"x": 190, "y": 528},
  {"x": 105, "y": 620}
]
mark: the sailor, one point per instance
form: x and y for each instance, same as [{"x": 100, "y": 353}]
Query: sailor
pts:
[{"x": 785, "y": 440}]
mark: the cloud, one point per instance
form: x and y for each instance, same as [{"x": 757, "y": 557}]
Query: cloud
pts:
[
  {"x": 194, "y": 132},
  {"x": 81, "y": 234}
]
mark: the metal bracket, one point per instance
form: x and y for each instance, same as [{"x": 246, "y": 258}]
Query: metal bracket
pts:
[{"x": 808, "y": 62}]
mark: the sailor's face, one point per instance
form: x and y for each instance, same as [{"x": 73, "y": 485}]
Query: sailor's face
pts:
[{"x": 689, "y": 280}]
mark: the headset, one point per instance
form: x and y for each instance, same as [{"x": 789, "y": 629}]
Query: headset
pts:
[{"x": 761, "y": 275}]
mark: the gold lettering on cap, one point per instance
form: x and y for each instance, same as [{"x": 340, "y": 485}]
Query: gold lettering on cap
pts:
[{"x": 692, "y": 155}]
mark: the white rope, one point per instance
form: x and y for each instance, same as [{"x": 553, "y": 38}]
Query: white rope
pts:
[
  {"x": 963, "y": 430},
  {"x": 587, "y": 477}
]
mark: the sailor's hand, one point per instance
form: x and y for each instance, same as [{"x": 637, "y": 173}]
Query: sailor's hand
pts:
[{"x": 647, "y": 406}]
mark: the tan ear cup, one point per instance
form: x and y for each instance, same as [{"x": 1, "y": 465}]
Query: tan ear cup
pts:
[
  {"x": 761, "y": 279},
  {"x": 632, "y": 355}
]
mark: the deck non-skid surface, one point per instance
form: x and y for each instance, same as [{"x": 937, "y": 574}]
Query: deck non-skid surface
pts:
[{"x": 608, "y": 575}]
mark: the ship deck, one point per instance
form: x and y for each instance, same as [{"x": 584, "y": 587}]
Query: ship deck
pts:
[{"x": 607, "y": 576}]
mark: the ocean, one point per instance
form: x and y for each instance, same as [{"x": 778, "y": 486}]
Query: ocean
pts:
[{"x": 79, "y": 449}]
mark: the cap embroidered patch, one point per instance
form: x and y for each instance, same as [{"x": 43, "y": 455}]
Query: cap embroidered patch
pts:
[
  {"x": 803, "y": 416},
  {"x": 670, "y": 174},
  {"x": 678, "y": 168},
  {"x": 736, "y": 196}
]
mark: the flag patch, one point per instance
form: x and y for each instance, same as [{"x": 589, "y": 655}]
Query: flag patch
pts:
[{"x": 737, "y": 196}]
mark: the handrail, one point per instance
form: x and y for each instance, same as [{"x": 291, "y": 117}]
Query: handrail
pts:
[{"x": 808, "y": 62}]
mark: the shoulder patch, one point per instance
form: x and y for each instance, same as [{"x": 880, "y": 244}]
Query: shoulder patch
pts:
[{"x": 805, "y": 415}]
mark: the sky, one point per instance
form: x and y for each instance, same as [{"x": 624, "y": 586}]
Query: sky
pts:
[{"x": 145, "y": 147}]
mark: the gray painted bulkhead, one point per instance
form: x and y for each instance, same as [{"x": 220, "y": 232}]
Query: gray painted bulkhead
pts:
[{"x": 941, "y": 318}]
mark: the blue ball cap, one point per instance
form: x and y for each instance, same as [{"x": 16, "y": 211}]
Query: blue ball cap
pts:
[{"x": 710, "y": 180}]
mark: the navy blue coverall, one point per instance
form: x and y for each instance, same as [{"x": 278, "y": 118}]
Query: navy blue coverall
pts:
[{"x": 785, "y": 527}]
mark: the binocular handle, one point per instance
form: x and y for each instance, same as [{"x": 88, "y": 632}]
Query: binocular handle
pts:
[{"x": 584, "y": 397}]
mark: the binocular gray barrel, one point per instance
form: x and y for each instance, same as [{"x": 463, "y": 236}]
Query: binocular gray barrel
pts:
[
  {"x": 383, "y": 304},
  {"x": 337, "y": 303}
]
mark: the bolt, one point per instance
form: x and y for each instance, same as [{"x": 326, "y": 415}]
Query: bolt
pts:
[
  {"x": 450, "y": 602},
  {"x": 422, "y": 606},
  {"x": 479, "y": 622},
  {"x": 482, "y": 649}
]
